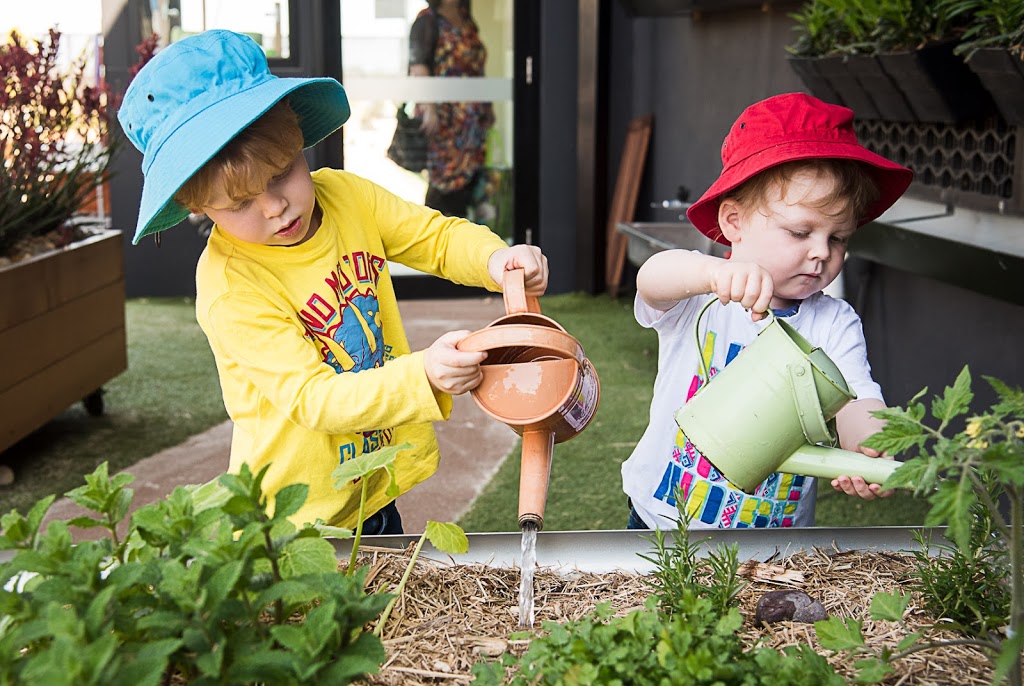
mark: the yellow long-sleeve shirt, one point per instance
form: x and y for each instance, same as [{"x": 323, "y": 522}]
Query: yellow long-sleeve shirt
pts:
[{"x": 313, "y": 360}]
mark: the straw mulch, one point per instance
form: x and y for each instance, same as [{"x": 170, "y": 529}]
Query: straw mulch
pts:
[{"x": 451, "y": 616}]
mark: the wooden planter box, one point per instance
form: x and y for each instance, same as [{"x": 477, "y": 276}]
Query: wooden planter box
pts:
[{"x": 62, "y": 333}]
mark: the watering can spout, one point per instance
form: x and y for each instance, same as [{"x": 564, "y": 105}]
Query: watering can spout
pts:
[
  {"x": 830, "y": 463},
  {"x": 535, "y": 472}
]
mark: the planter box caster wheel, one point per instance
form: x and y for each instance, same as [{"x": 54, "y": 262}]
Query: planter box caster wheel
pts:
[{"x": 94, "y": 403}]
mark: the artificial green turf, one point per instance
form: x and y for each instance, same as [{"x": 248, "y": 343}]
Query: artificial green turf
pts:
[
  {"x": 169, "y": 392},
  {"x": 585, "y": 490}
]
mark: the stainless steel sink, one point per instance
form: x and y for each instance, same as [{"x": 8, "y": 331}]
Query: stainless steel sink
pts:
[{"x": 647, "y": 238}]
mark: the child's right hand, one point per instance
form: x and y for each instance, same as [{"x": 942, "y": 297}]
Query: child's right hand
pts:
[
  {"x": 744, "y": 282},
  {"x": 449, "y": 369}
]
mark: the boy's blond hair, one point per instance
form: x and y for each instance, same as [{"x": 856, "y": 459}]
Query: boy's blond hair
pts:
[
  {"x": 853, "y": 188},
  {"x": 246, "y": 165}
]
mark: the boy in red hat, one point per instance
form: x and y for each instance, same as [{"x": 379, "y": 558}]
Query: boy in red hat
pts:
[{"x": 794, "y": 188}]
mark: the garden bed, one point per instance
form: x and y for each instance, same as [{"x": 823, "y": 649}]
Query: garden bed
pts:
[{"x": 451, "y": 616}]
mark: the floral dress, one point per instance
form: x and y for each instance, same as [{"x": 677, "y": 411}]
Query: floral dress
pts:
[{"x": 457, "y": 151}]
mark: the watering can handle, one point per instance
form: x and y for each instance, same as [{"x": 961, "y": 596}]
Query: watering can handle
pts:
[
  {"x": 513, "y": 283},
  {"x": 696, "y": 330}
]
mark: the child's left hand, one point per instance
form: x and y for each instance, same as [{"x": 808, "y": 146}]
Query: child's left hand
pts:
[
  {"x": 855, "y": 485},
  {"x": 529, "y": 258}
]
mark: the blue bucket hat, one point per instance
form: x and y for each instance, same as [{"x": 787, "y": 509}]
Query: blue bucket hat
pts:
[{"x": 196, "y": 95}]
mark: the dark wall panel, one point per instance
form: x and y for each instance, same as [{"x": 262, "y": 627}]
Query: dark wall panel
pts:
[{"x": 921, "y": 332}]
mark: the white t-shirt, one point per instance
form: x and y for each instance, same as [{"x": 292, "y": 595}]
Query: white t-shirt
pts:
[{"x": 664, "y": 458}]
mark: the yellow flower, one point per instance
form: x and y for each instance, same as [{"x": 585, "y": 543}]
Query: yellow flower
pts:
[
  {"x": 1020, "y": 430},
  {"x": 977, "y": 443},
  {"x": 973, "y": 428}
]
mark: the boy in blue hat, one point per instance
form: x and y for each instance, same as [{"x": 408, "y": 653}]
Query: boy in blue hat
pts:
[{"x": 293, "y": 288}]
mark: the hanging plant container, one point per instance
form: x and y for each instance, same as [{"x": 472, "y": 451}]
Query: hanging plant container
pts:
[
  {"x": 938, "y": 85},
  {"x": 1002, "y": 74},
  {"x": 892, "y": 105},
  {"x": 807, "y": 68},
  {"x": 848, "y": 87}
]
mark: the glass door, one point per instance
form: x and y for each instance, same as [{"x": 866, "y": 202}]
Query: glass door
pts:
[{"x": 375, "y": 44}]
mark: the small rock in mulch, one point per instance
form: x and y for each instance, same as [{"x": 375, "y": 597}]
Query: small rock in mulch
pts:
[
  {"x": 6, "y": 475},
  {"x": 788, "y": 606}
]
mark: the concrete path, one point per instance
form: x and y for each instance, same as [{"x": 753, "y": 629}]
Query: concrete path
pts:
[{"x": 472, "y": 444}]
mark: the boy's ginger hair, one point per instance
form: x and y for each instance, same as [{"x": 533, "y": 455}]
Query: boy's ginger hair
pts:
[
  {"x": 246, "y": 165},
  {"x": 853, "y": 187}
]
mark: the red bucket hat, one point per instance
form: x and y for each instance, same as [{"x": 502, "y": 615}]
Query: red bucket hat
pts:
[{"x": 783, "y": 128}]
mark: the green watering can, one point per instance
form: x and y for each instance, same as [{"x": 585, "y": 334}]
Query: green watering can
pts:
[{"x": 770, "y": 410}]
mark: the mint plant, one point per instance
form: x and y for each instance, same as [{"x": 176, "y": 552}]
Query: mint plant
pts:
[
  {"x": 966, "y": 466},
  {"x": 206, "y": 586}
]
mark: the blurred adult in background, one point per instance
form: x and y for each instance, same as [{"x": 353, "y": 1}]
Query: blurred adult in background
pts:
[{"x": 445, "y": 41}]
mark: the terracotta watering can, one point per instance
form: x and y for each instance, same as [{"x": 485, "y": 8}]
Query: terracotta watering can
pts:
[
  {"x": 537, "y": 380},
  {"x": 769, "y": 410}
]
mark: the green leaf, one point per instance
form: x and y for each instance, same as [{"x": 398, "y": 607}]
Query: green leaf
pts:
[
  {"x": 209, "y": 495},
  {"x": 889, "y": 607},
  {"x": 289, "y": 500},
  {"x": 909, "y": 640},
  {"x": 951, "y": 504},
  {"x": 263, "y": 666},
  {"x": 366, "y": 464},
  {"x": 295, "y": 591},
  {"x": 447, "y": 537},
  {"x": 392, "y": 491},
  {"x": 147, "y": 666},
  {"x": 85, "y": 522},
  {"x": 1005, "y": 463},
  {"x": 292, "y": 637},
  {"x": 223, "y": 580},
  {"x": 307, "y": 556},
  {"x": 871, "y": 671},
  {"x": 328, "y": 531},
  {"x": 1009, "y": 656},
  {"x": 365, "y": 655},
  {"x": 955, "y": 400},
  {"x": 900, "y": 433},
  {"x": 839, "y": 634},
  {"x": 1011, "y": 400}
]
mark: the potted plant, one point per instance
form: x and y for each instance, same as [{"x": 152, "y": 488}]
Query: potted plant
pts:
[
  {"x": 830, "y": 39},
  {"x": 993, "y": 47},
  {"x": 891, "y": 59},
  {"x": 816, "y": 25},
  {"x": 915, "y": 41},
  {"x": 62, "y": 315}
]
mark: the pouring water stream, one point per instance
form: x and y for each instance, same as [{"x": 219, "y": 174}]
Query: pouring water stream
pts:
[{"x": 527, "y": 567}]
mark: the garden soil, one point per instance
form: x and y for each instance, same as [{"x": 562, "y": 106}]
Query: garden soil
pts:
[{"x": 472, "y": 444}]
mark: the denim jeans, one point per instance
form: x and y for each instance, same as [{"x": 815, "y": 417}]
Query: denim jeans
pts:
[
  {"x": 384, "y": 521},
  {"x": 635, "y": 522}
]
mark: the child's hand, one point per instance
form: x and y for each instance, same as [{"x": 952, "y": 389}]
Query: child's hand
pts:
[
  {"x": 529, "y": 258},
  {"x": 855, "y": 485},
  {"x": 744, "y": 282},
  {"x": 450, "y": 370}
]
